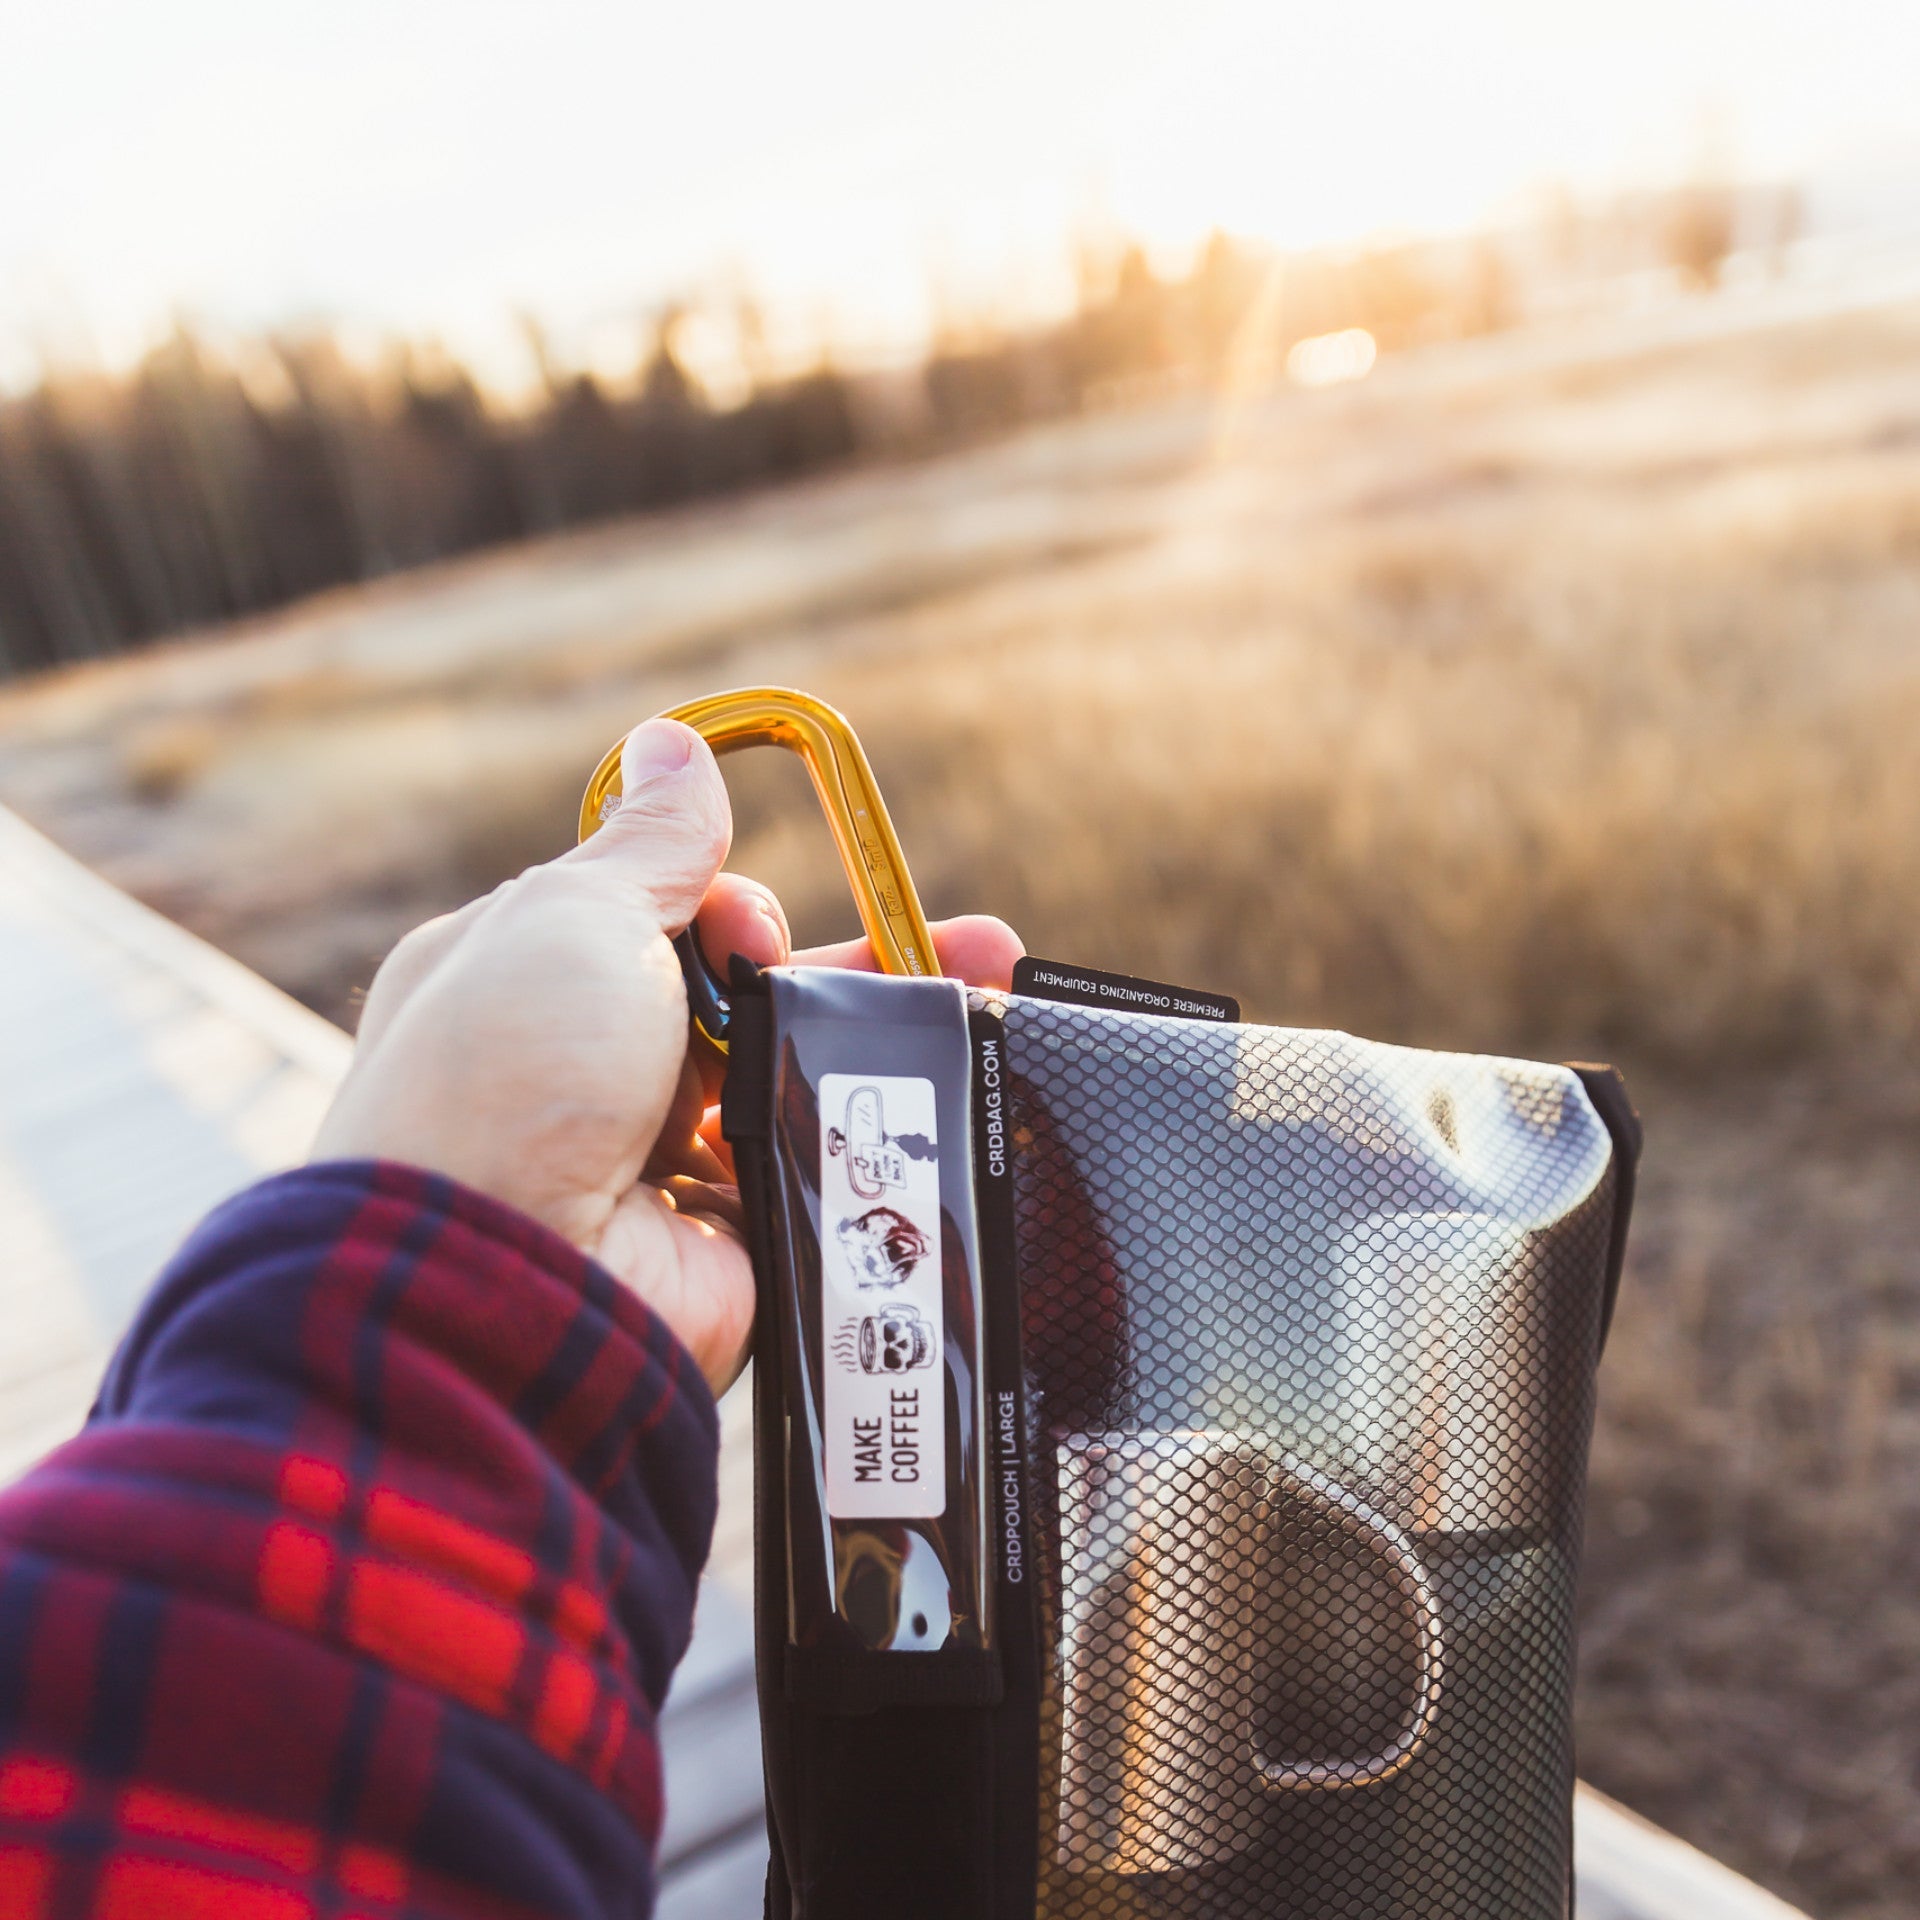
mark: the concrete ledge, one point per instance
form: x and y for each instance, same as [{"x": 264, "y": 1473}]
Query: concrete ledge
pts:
[
  {"x": 30, "y": 863},
  {"x": 1626, "y": 1868}
]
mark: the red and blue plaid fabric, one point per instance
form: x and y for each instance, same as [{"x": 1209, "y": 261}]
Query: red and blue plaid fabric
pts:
[{"x": 359, "y": 1594}]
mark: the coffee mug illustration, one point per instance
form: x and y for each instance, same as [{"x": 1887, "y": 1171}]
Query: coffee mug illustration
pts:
[{"x": 897, "y": 1339}]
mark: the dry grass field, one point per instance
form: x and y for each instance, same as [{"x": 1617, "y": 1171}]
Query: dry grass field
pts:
[{"x": 1545, "y": 701}]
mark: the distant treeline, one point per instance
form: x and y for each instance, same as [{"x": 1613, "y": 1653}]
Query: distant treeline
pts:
[{"x": 207, "y": 484}]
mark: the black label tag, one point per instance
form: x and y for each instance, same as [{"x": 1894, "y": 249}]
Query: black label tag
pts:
[
  {"x": 1015, "y": 1771},
  {"x": 1117, "y": 992}
]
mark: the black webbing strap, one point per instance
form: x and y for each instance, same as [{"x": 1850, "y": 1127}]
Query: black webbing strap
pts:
[
  {"x": 1611, "y": 1101},
  {"x": 1010, "y": 1498},
  {"x": 878, "y": 1803}
]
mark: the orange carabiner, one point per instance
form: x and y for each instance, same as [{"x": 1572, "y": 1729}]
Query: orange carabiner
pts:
[{"x": 869, "y": 852}]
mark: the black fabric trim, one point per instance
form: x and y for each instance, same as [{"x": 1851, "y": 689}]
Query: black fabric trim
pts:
[
  {"x": 745, "y": 1122},
  {"x": 746, "y": 1094},
  {"x": 1014, "y": 1847},
  {"x": 895, "y": 1816},
  {"x": 880, "y": 1767},
  {"x": 841, "y": 1680},
  {"x": 1611, "y": 1101}
]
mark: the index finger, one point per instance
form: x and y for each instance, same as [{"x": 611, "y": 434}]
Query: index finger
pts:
[{"x": 974, "y": 947}]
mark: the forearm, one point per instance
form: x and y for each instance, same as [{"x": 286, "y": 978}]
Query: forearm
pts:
[{"x": 367, "y": 1576}]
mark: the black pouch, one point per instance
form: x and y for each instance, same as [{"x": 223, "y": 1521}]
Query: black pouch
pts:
[{"x": 1170, "y": 1446}]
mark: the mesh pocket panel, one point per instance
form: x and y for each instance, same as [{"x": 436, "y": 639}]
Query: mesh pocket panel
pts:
[{"x": 1310, "y": 1328}]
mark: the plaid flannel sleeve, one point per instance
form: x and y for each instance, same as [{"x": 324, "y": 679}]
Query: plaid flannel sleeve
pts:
[{"x": 360, "y": 1592}]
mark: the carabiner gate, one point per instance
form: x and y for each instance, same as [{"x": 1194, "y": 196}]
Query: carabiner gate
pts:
[{"x": 843, "y": 781}]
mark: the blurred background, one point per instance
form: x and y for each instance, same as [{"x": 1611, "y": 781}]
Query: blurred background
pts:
[{"x": 1410, "y": 515}]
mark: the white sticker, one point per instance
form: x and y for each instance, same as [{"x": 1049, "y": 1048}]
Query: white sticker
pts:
[{"x": 885, "y": 1394}]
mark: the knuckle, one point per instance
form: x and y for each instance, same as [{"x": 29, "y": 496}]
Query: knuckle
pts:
[
  {"x": 417, "y": 948},
  {"x": 678, "y": 829}
]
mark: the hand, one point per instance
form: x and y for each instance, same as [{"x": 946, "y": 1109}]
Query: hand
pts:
[{"x": 534, "y": 1044}]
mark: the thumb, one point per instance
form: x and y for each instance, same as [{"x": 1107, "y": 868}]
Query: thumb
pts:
[{"x": 673, "y": 824}]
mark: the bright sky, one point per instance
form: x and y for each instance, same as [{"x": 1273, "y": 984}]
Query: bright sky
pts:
[{"x": 436, "y": 165}]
